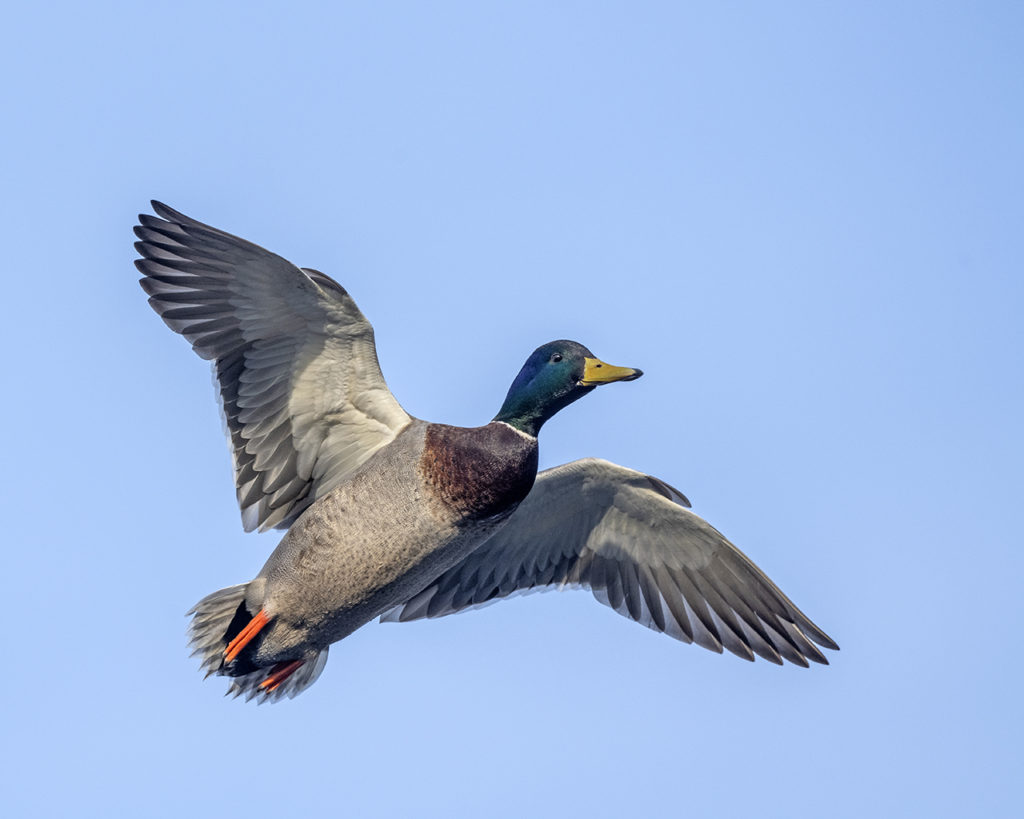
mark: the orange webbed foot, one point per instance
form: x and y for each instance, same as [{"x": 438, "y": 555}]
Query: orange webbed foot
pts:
[
  {"x": 245, "y": 636},
  {"x": 279, "y": 673}
]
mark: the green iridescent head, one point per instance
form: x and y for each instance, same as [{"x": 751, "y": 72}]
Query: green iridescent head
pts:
[{"x": 555, "y": 375}]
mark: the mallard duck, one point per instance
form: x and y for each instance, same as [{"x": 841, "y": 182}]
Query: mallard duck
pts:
[{"x": 389, "y": 516}]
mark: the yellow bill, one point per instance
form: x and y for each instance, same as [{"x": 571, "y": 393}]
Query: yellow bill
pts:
[{"x": 595, "y": 372}]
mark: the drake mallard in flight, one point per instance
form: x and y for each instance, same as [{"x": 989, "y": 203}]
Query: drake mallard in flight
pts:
[{"x": 393, "y": 517}]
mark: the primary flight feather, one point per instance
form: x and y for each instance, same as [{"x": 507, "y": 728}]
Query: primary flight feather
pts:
[{"x": 393, "y": 517}]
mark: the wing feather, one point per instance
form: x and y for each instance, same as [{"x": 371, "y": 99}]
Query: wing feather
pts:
[
  {"x": 633, "y": 542},
  {"x": 304, "y": 400}
]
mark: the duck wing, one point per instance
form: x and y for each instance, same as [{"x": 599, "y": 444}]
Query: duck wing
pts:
[
  {"x": 630, "y": 539},
  {"x": 304, "y": 400}
]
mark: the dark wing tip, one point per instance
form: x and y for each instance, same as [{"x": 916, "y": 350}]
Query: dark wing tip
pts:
[
  {"x": 324, "y": 281},
  {"x": 813, "y": 632},
  {"x": 160, "y": 209},
  {"x": 668, "y": 491},
  {"x": 173, "y": 216}
]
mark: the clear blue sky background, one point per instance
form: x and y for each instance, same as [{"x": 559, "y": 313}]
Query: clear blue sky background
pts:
[{"x": 803, "y": 221}]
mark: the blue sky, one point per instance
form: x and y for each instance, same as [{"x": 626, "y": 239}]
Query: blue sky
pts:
[{"x": 803, "y": 221}]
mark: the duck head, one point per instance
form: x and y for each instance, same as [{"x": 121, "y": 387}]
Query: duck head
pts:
[{"x": 555, "y": 375}]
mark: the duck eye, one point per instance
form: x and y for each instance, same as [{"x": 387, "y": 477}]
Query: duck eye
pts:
[{"x": 556, "y": 358}]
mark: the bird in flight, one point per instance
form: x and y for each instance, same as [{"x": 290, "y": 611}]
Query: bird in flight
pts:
[{"x": 393, "y": 517}]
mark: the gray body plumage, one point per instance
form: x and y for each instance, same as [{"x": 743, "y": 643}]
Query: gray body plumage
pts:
[{"x": 372, "y": 543}]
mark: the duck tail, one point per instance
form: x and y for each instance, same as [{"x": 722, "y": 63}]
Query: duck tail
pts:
[
  {"x": 222, "y": 626},
  {"x": 214, "y": 624}
]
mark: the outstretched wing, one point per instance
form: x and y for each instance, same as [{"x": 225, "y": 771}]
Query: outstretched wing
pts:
[
  {"x": 629, "y": 538},
  {"x": 303, "y": 396}
]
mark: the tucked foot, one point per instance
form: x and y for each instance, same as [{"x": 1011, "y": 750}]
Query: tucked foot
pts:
[
  {"x": 279, "y": 673},
  {"x": 245, "y": 636},
  {"x": 279, "y": 681}
]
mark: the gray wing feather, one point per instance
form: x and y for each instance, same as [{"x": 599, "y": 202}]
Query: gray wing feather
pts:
[
  {"x": 630, "y": 539},
  {"x": 303, "y": 397}
]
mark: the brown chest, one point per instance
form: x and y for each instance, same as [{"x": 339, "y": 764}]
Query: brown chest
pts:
[{"x": 479, "y": 472}]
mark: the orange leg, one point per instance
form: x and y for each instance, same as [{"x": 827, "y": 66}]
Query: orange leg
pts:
[
  {"x": 245, "y": 636},
  {"x": 279, "y": 673}
]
